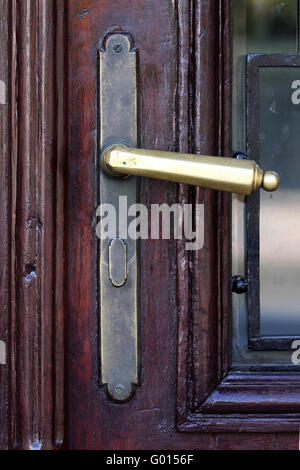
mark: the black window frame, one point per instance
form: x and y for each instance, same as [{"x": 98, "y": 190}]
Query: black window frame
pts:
[{"x": 256, "y": 341}]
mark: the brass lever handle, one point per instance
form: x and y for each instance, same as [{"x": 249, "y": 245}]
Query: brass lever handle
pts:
[{"x": 225, "y": 174}]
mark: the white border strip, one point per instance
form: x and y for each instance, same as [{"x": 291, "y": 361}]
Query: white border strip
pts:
[
  {"x": 2, "y": 353},
  {"x": 2, "y": 92}
]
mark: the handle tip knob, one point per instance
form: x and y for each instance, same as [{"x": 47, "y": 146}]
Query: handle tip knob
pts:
[{"x": 271, "y": 181}]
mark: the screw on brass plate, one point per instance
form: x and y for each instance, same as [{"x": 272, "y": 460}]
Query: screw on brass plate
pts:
[
  {"x": 120, "y": 389},
  {"x": 120, "y": 392},
  {"x": 118, "y": 48}
]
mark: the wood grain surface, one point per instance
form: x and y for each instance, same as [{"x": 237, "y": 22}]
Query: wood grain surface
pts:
[{"x": 49, "y": 393}]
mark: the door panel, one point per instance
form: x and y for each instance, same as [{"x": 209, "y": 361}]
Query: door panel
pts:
[
  {"x": 184, "y": 297},
  {"x": 164, "y": 121},
  {"x": 188, "y": 398}
]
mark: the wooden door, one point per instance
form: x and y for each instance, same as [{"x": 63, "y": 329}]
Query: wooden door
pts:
[{"x": 50, "y": 397}]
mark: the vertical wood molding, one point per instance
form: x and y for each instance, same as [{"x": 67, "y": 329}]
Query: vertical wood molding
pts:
[
  {"x": 202, "y": 280},
  {"x": 184, "y": 17},
  {"x": 4, "y": 245},
  {"x": 38, "y": 151}
]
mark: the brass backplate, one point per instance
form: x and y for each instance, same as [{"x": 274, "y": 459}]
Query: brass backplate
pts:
[{"x": 118, "y": 253}]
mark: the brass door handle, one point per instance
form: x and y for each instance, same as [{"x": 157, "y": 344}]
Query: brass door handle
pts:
[{"x": 225, "y": 174}]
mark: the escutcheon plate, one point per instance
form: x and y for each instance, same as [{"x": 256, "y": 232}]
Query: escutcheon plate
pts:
[{"x": 118, "y": 253}]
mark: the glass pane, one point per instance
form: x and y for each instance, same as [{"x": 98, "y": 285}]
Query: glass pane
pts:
[
  {"x": 271, "y": 26},
  {"x": 280, "y": 211},
  {"x": 261, "y": 26}
]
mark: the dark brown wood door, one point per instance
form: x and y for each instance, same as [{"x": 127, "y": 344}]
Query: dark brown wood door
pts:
[{"x": 50, "y": 397}]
